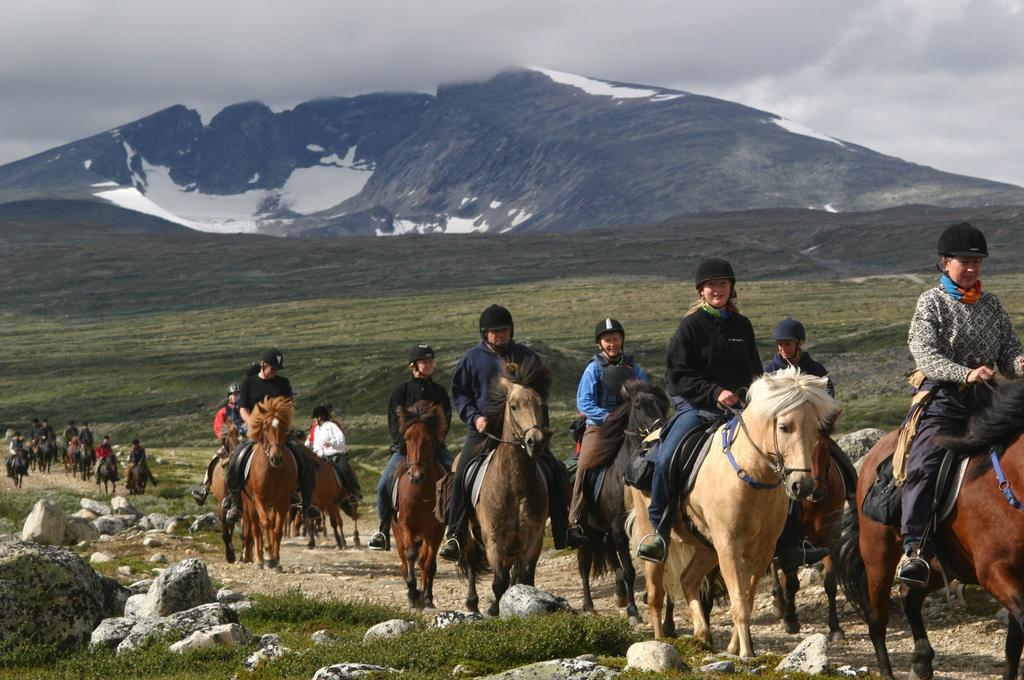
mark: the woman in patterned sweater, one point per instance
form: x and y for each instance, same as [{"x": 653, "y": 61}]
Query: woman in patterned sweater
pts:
[{"x": 959, "y": 337}]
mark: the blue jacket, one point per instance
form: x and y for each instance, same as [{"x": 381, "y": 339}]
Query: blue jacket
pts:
[
  {"x": 593, "y": 398},
  {"x": 473, "y": 377},
  {"x": 806, "y": 365}
]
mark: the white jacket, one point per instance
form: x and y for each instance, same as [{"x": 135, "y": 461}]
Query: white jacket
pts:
[{"x": 328, "y": 439}]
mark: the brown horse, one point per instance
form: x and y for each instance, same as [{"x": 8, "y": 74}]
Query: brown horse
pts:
[
  {"x": 219, "y": 485},
  {"x": 981, "y": 541},
  {"x": 136, "y": 477},
  {"x": 417, "y": 531},
  {"x": 332, "y": 498},
  {"x": 273, "y": 477},
  {"x": 763, "y": 460},
  {"x": 513, "y": 506},
  {"x": 69, "y": 456},
  {"x": 822, "y": 516},
  {"x": 107, "y": 473}
]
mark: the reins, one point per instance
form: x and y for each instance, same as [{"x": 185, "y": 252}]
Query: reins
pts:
[{"x": 774, "y": 458}]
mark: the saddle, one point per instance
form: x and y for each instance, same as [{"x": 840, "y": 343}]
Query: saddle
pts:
[
  {"x": 686, "y": 459},
  {"x": 846, "y": 469},
  {"x": 392, "y": 488},
  {"x": 882, "y": 502}
]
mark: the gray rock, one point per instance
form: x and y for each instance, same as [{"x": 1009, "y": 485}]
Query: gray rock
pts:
[
  {"x": 241, "y": 605},
  {"x": 343, "y": 671},
  {"x": 79, "y": 529},
  {"x": 228, "y": 634},
  {"x": 270, "y": 640},
  {"x": 52, "y": 595},
  {"x": 446, "y": 618},
  {"x": 140, "y": 587},
  {"x": 45, "y": 524},
  {"x": 111, "y": 632},
  {"x": 718, "y": 667},
  {"x": 809, "y": 576},
  {"x": 857, "y": 444},
  {"x": 133, "y": 607},
  {"x": 557, "y": 669},
  {"x": 523, "y": 600},
  {"x": 151, "y": 542},
  {"x": 322, "y": 637},
  {"x": 85, "y": 514},
  {"x": 124, "y": 570},
  {"x": 109, "y": 525},
  {"x": 265, "y": 655},
  {"x": 176, "y": 525},
  {"x": 389, "y": 629},
  {"x": 176, "y": 626},
  {"x": 654, "y": 656},
  {"x": 852, "y": 671},
  {"x": 121, "y": 506},
  {"x": 226, "y": 596},
  {"x": 158, "y": 558},
  {"x": 181, "y": 586},
  {"x": 208, "y": 522},
  {"x": 462, "y": 669},
  {"x": 154, "y": 520},
  {"x": 99, "y": 509},
  {"x": 100, "y": 558},
  {"x": 810, "y": 656}
]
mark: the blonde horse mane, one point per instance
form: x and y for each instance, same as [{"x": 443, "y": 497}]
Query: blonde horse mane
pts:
[
  {"x": 774, "y": 394},
  {"x": 280, "y": 408}
]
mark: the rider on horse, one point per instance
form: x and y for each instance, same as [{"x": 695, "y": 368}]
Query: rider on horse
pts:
[
  {"x": 420, "y": 387},
  {"x": 470, "y": 385},
  {"x": 329, "y": 444},
  {"x": 958, "y": 337},
  {"x": 85, "y": 437},
  {"x": 254, "y": 389},
  {"x": 46, "y": 432},
  {"x": 230, "y": 411},
  {"x": 792, "y": 551},
  {"x": 599, "y": 393},
  {"x": 104, "y": 451},
  {"x": 137, "y": 456},
  {"x": 711, "y": 358},
  {"x": 70, "y": 432},
  {"x": 15, "y": 448}
]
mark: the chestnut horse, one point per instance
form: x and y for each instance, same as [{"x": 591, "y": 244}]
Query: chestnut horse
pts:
[
  {"x": 332, "y": 498},
  {"x": 513, "y": 506},
  {"x": 823, "y": 514},
  {"x": 417, "y": 532},
  {"x": 981, "y": 541},
  {"x": 740, "y": 500},
  {"x": 70, "y": 456},
  {"x": 607, "y": 548},
  {"x": 219, "y": 485},
  {"x": 273, "y": 477}
]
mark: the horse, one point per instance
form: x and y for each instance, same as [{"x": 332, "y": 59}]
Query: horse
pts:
[
  {"x": 332, "y": 498},
  {"x": 85, "y": 459},
  {"x": 756, "y": 464},
  {"x": 106, "y": 472},
  {"x": 822, "y": 516},
  {"x": 417, "y": 531},
  {"x": 47, "y": 451},
  {"x": 230, "y": 437},
  {"x": 136, "y": 478},
  {"x": 71, "y": 456},
  {"x": 981, "y": 541},
  {"x": 607, "y": 546},
  {"x": 273, "y": 477},
  {"x": 19, "y": 468},
  {"x": 513, "y": 506}
]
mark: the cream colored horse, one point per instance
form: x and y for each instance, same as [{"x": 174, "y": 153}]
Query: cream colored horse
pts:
[{"x": 773, "y": 445}]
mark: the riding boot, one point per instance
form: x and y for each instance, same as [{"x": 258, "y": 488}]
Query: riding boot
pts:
[
  {"x": 199, "y": 493},
  {"x": 914, "y": 570},
  {"x": 233, "y": 504},
  {"x": 381, "y": 539},
  {"x": 654, "y": 550}
]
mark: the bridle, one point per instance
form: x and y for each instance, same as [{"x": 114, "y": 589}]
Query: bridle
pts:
[
  {"x": 422, "y": 465},
  {"x": 774, "y": 458},
  {"x": 518, "y": 431}
]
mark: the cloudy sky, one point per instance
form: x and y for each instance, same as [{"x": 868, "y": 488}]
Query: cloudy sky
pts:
[{"x": 938, "y": 82}]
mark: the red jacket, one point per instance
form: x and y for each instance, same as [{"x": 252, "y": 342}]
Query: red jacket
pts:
[
  {"x": 218, "y": 420},
  {"x": 103, "y": 450}
]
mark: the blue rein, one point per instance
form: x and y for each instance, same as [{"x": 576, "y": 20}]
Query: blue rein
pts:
[
  {"x": 1004, "y": 484},
  {"x": 728, "y": 437}
]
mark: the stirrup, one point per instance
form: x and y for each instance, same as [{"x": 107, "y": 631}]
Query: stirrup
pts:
[
  {"x": 914, "y": 571},
  {"x": 451, "y": 550},
  {"x": 378, "y": 541},
  {"x": 654, "y": 551}
]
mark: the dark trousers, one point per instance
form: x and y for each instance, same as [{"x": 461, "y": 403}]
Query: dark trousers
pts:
[
  {"x": 458, "y": 517},
  {"x": 792, "y": 532}
]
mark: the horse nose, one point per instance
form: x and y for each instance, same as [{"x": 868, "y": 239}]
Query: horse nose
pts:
[
  {"x": 800, "y": 487},
  {"x": 416, "y": 476},
  {"x": 534, "y": 439}
]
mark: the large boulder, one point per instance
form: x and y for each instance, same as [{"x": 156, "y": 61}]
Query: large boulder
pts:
[
  {"x": 450, "y": 618},
  {"x": 181, "y": 586},
  {"x": 810, "y": 656},
  {"x": 176, "y": 626},
  {"x": 557, "y": 669},
  {"x": 121, "y": 506},
  {"x": 51, "y": 595},
  {"x": 857, "y": 444},
  {"x": 45, "y": 524},
  {"x": 154, "y": 520},
  {"x": 111, "y": 632},
  {"x": 228, "y": 634},
  {"x": 523, "y": 600},
  {"x": 78, "y": 529},
  {"x": 208, "y": 522},
  {"x": 654, "y": 656}
]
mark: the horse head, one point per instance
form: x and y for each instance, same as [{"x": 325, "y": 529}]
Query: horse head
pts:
[
  {"x": 784, "y": 421},
  {"x": 647, "y": 406},
  {"x": 422, "y": 427},
  {"x": 270, "y": 428},
  {"x": 518, "y": 393}
]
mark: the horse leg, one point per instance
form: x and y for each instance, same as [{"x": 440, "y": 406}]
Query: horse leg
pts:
[
  {"x": 835, "y": 630},
  {"x": 310, "y": 531},
  {"x": 655, "y": 596},
  {"x": 880, "y": 542},
  {"x": 921, "y": 659},
  {"x": 502, "y": 578},
  {"x": 791, "y": 585},
  {"x": 428, "y": 567},
  {"x": 336, "y": 527},
  {"x": 738, "y": 582},
  {"x": 584, "y": 560},
  {"x": 409, "y": 559},
  {"x": 472, "y": 599},
  {"x": 227, "y": 532},
  {"x": 626, "y": 572}
]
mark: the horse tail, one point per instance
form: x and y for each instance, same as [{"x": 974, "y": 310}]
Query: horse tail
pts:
[
  {"x": 712, "y": 589},
  {"x": 473, "y": 557},
  {"x": 605, "y": 559},
  {"x": 852, "y": 572}
]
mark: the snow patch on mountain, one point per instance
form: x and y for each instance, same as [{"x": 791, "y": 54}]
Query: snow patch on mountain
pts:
[
  {"x": 310, "y": 190},
  {"x": 87, "y": 164},
  {"x": 603, "y": 88},
  {"x": 829, "y": 208},
  {"x": 315, "y": 148},
  {"x": 495, "y": 205},
  {"x": 131, "y": 198},
  {"x": 106, "y": 184},
  {"x": 465, "y": 225},
  {"x": 255, "y": 178},
  {"x": 520, "y": 218},
  {"x": 801, "y": 129}
]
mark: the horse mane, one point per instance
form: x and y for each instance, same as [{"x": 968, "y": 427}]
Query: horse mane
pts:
[
  {"x": 776, "y": 393},
  {"x": 995, "y": 424},
  {"x": 613, "y": 430},
  {"x": 530, "y": 372},
  {"x": 429, "y": 414},
  {"x": 282, "y": 408}
]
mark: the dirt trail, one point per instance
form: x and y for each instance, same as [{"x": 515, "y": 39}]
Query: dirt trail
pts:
[{"x": 968, "y": 644}]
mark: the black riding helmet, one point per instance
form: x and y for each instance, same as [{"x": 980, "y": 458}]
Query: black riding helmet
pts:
[
  {"x": 495, "y": 317},
  {"x": 962, "y": 240},
  {"x": 711, "y": 268},
  {"x": 420, "y": 352},
  {"x": 789, "y": 329},
  {"x": 608, "y": 326}
]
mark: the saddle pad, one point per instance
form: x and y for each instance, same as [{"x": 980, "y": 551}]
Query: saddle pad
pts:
[
  {"x": 475, "y": 476},
  {"x": 595, "y": 480},
  {"x": 247, "y": 463},
  {"x": 691, "y": 455},
  {"x": 846, "y": 469},
  {"x": 957, "y": 475}
]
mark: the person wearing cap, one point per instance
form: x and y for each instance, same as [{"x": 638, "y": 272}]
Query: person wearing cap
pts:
[
  {"x": 266, "y": 382},
  {"x": 789, "y": 336},
  {"x": 712, "y": 359},
  {"x": 420, "y": 387},
  {"x": 470, "y": 384},
  {"x": 598, "y": 394},
  {"x": 329, "y": 444},
  {"x": 792, "y": 549},
  {"x": 959, "y": 336}
]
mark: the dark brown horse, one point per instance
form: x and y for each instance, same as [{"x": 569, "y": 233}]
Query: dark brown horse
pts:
[
  {"x": 513, "y": 506},
  {"x": 333, "y": 499},
  {"x": 19, "y": 468},
  {"x": 219, "y": 487},
  {"x": 107, "y": 474},
  {"x": 417, "y": 532},
  {"x": 136, "y": 477},
  {"x": 822, "y": 517},
  {"x": 70, "y": 464},
  {"x": 982, "y": 540},
  {"x": 607, "y": 547},
  {"x": 273, "y": 477}
]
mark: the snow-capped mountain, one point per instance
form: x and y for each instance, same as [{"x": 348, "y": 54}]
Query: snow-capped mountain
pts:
[{"x": 530, "y": 149}]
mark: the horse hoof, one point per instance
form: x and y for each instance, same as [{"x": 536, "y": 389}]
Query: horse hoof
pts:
[
  {"x": 277, "y": 568},
  {"x": 837, "y": 636},
  {"x": 792, "y": 627}
]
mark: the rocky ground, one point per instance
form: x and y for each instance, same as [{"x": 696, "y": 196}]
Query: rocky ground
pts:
[{"x": 966, "y": 635}]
